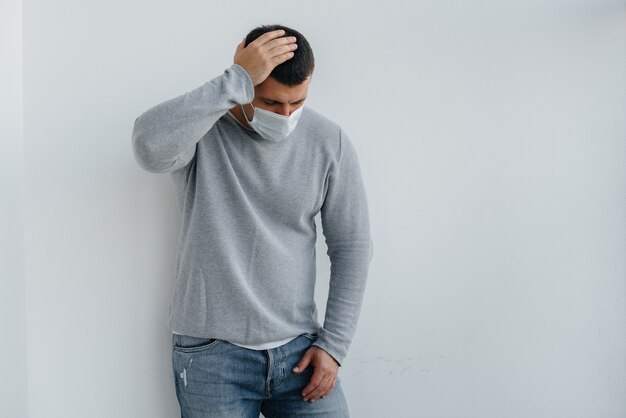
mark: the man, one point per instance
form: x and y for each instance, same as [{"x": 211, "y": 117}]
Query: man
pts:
[{"x": 252, "y": 167}]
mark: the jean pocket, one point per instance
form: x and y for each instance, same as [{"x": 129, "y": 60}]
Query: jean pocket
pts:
[{"x": 189, "y": 344}]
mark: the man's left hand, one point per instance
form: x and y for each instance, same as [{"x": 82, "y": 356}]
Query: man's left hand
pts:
[{"x": 325, "y": 370}]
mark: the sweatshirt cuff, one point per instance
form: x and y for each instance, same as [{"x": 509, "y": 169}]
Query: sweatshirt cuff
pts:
[
  {"x": 337, "y": 351},
  {"x": 247, "y": 81}
]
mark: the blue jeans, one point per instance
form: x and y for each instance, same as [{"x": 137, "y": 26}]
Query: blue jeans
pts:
[{"x": 215, "y": 378}]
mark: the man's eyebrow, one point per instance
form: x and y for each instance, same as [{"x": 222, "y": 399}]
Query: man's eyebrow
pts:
[{"x": 276, "y": 101}]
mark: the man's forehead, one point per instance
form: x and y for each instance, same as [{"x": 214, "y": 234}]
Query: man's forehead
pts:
[{"x": 273, "y": 91}]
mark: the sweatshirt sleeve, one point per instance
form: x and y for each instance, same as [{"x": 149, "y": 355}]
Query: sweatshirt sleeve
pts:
[
  {"x": 164, "y": 137},
  {"x": 345, "y": 224}
]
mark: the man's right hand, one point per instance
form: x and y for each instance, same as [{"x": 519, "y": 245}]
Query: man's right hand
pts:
[{"x": 264, "y": 53}]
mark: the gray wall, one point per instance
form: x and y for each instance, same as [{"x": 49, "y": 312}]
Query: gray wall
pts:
[
  {"x": 491, "y": 136},
  {"x": 13, "y": 367}
]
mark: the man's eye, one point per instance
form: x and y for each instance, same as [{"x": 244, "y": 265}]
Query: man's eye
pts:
[{"x": 272, "y": 104}]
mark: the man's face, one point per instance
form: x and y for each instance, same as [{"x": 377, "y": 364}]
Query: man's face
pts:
[{"x": 279, "y": 98}]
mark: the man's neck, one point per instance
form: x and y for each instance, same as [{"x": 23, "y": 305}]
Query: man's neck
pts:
[{"x": 236, "y": 110}]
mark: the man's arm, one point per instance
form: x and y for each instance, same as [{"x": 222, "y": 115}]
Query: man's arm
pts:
[
  {"x": 345, "y": 224},
  {"x": 164, "y": 137}
]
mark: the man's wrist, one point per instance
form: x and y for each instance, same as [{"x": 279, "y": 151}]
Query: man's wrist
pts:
[{"x": 331, "y": 356}]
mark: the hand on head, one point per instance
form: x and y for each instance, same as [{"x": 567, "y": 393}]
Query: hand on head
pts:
[{"x": 267, "y": 51}]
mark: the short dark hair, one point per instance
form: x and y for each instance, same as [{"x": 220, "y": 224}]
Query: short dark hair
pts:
[{"x": 297, "y": 68}]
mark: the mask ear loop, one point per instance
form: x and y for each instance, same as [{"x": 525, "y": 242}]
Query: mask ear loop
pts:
[{"x": 244, "y": 113}]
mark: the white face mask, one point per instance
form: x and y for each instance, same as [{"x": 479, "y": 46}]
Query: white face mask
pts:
[{"x": 272, "y": 126}]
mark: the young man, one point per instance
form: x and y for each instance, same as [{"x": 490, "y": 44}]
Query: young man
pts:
[{"x": 252, "y": 166}]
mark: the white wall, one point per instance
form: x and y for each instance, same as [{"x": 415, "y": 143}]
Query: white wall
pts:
[
  {"x": 491, "y": 136},
  {"x": 13, "y": 367}
]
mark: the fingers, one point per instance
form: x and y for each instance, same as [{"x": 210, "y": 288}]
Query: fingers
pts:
[
  {"x": 267, "y": 36},
  {"x": 282, "y": 44},
  {"x": 330, "y": 389},
  {"x": 281, "y": 58},
  {"x": 303, "y": 363},
  {"x": 274, "y": 45},
  {"x": 319, "y": 385},
  {"x": 280, "y": 49},
  {"x": 282, "y": 52}
]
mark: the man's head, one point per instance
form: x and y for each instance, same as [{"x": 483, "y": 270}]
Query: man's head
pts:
[
  {"x": 286, "y": 88},
  {"x": 297, "y": 69}
]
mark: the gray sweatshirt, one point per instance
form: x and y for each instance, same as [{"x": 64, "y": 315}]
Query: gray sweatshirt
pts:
[{"x": 245, "y": 265}]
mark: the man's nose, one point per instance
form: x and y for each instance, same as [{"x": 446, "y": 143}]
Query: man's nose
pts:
[{"x": 284, "y": 110}]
